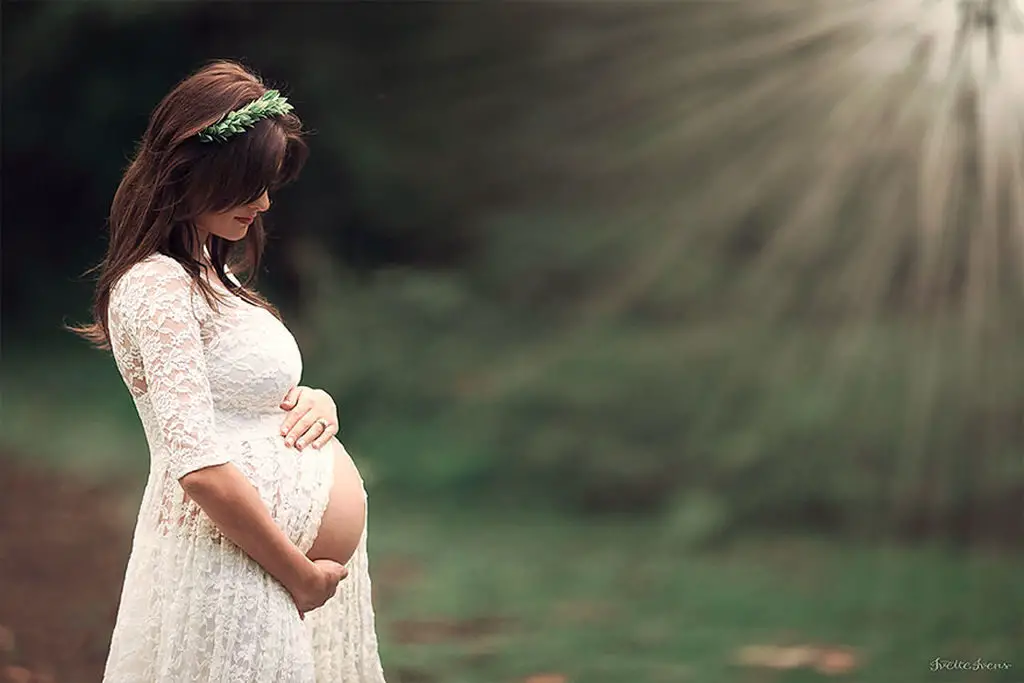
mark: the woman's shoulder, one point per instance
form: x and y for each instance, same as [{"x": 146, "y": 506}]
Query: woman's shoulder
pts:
[
  {"x": 153, "y": 269},
  {"x": 153, "y": 278}
]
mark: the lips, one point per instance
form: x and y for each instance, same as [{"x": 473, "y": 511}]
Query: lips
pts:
[{"x": 245, "y": 219}]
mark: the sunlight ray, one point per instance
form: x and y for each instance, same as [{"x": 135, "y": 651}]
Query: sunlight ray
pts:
[{"x": 877, "y": 145}]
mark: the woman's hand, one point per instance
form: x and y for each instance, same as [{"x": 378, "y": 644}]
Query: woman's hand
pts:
[
  {"x": 312, "y": 418},
  {"x": 318, "y": 586}
]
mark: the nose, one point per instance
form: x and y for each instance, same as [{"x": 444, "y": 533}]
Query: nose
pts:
[{"x": 262, "y": 202}]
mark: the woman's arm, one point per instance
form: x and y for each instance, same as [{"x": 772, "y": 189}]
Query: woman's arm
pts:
[
  {"x": 155, "y": 306},
  {"x": 238, "y": 511}
]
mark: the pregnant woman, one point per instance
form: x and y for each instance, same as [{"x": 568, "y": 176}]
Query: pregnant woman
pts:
[{"x": 248, "y": 561}]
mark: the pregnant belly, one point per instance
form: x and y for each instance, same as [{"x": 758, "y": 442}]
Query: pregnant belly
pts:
[{"x": 341, "y": 526}]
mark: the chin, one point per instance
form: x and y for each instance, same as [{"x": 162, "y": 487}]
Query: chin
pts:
[{"x": 235, "y": 236}]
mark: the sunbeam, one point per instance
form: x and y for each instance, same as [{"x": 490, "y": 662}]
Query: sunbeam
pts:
[{"x": 874, "y": 148}]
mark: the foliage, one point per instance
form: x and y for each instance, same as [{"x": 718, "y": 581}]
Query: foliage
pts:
[
  {"x": 621, "y": 258},
  {"x": 506, "y": 596},
  {"x": 870, "y": 429},
  {"x": 240, "y": 120}
]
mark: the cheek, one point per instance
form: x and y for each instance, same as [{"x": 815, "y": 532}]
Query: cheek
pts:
[
  {"x": 223, "y": 225},
  {"x": 229, "y": 224},
  {"x": 210, "y": 222}
]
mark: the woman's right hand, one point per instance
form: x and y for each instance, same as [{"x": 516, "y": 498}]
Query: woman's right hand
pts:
[{"x": 318, "y": 586}]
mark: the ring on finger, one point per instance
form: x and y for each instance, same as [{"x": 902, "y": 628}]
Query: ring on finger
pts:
[{"x": 323, "y": 423}]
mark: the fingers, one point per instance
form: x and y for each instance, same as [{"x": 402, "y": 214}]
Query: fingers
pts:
[
  {"x": 314, "y": 432},
  {"x": 316, "y": 429},
  {"x": 291, "y": 398},
  {"x": 300, "y": 428},
  {"x": 290, "y": 428},
  {"x": 331, "y": 574},
  {"x": 337, "y": 578},
  {"x": 299, "y": 432},
  {"x": 333, "y": 569},
  {"x": 325, "y": 435}
]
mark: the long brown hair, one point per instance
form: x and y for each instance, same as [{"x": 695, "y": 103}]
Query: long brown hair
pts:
[{"x": 174, "y": 178}]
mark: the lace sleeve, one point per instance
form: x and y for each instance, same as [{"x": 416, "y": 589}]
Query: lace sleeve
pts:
[{"x": 154, "y": 303}]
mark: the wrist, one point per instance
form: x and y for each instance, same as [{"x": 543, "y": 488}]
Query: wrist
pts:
[{"x": 301, "y": 572}]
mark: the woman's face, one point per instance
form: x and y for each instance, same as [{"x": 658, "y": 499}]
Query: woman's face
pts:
[{"x": 233, "y": 223}]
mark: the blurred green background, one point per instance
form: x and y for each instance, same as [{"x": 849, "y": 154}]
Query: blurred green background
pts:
[{"x": 660, "y": 332}]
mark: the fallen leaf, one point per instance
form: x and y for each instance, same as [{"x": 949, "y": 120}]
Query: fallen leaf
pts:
[
  {"x": 831, "y": 661},
  {"x": 777, "y": 657},
  {"x": 834, "y": 662},
  {"x": 546, "y": 678}
]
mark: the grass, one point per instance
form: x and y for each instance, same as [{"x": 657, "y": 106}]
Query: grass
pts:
[
  {"x": 614, "y": 603},
  {"x": 486, "y": 595},
  {"x": 69, "y": 408}
]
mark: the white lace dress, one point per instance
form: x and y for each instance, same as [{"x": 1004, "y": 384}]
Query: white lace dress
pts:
[{"x": 195, "y": 608}]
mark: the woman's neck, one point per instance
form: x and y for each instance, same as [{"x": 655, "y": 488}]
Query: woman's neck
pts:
[{"x": 201, "y": 252}]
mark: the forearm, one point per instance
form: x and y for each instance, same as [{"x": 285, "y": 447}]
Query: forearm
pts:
[{"x": 235, "y": 507}]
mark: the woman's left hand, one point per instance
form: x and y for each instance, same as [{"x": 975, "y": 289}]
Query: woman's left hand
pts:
[{"x": 312, "y": 417}]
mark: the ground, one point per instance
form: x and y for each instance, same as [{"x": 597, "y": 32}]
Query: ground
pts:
[
  {"x": 63, "y": 548},
  {"x": 528, "y": 597}
]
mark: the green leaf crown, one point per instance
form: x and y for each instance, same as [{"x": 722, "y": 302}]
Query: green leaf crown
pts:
[{"x": 240, "y": 120}]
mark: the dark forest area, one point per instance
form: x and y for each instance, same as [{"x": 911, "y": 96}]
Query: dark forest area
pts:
[{"x": 718, "y": 294}]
